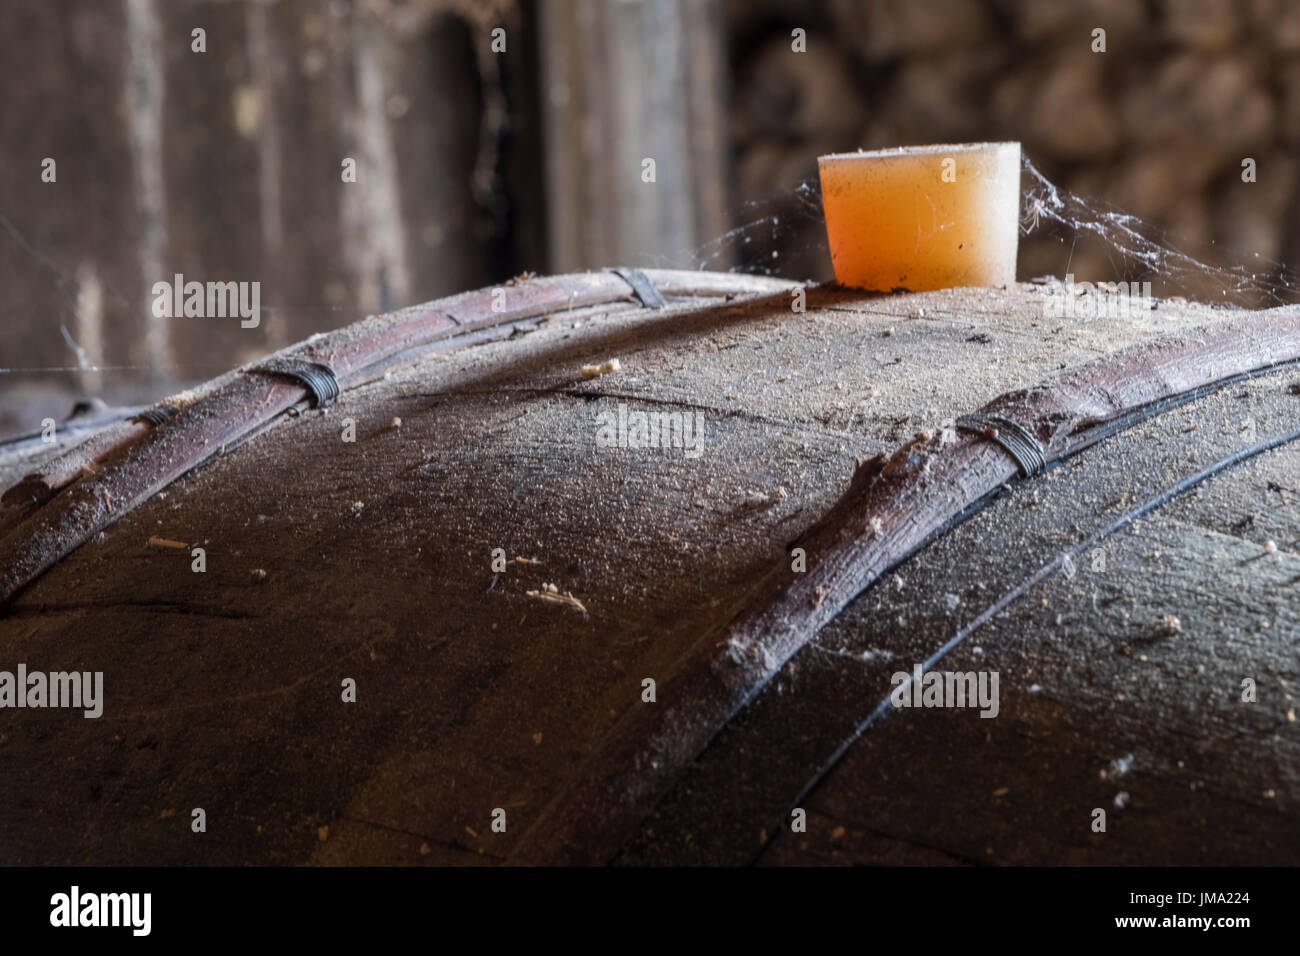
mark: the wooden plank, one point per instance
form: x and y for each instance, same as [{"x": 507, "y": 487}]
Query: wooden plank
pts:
[
  {"x": 225, "y": 165},
  {"x": 625, "y": 83}
]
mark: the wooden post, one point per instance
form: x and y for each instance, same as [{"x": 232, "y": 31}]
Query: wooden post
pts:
[{"x": 635, "y": 129}]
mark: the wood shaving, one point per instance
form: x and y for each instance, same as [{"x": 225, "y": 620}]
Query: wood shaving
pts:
[
  {"x": 591, "y": 371},
  {"x": 552, "y": 595}
]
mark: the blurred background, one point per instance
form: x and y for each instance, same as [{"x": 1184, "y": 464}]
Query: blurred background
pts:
[{"x": 494, "y": 137}]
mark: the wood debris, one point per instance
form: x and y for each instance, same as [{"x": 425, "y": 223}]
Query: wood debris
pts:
[
  {"x": 591, "y": 371},
  {"x": 552, "y": 595}
]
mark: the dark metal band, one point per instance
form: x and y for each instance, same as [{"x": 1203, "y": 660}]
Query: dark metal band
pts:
[
  {"x": 316, "y": 377},
  {"x": 642, "y": 286},
  {"x": 156, "y": 415},
  {"x": 1018, "y": 441}
]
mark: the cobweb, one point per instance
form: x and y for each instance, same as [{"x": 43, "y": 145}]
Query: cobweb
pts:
[
  {"x": 788, "y": 240},
  {"x": 1139, "y": 251}
]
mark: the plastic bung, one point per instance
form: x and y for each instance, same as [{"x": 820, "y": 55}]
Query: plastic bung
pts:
[{"x": 923, "y": 217}]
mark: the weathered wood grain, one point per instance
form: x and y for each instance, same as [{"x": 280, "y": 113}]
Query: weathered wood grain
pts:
[
  {"x": 223, "y": 688},
  {"x": 892, "y": 506},
  {"x": 1090, "y": 672},
  {"x": 235, "y": 406}
]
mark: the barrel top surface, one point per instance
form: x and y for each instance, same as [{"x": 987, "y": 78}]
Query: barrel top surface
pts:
[{"x": 480, "y": 688}]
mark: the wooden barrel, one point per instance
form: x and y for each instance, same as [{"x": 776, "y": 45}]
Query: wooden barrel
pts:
[{"x": 677, "y": 568}]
